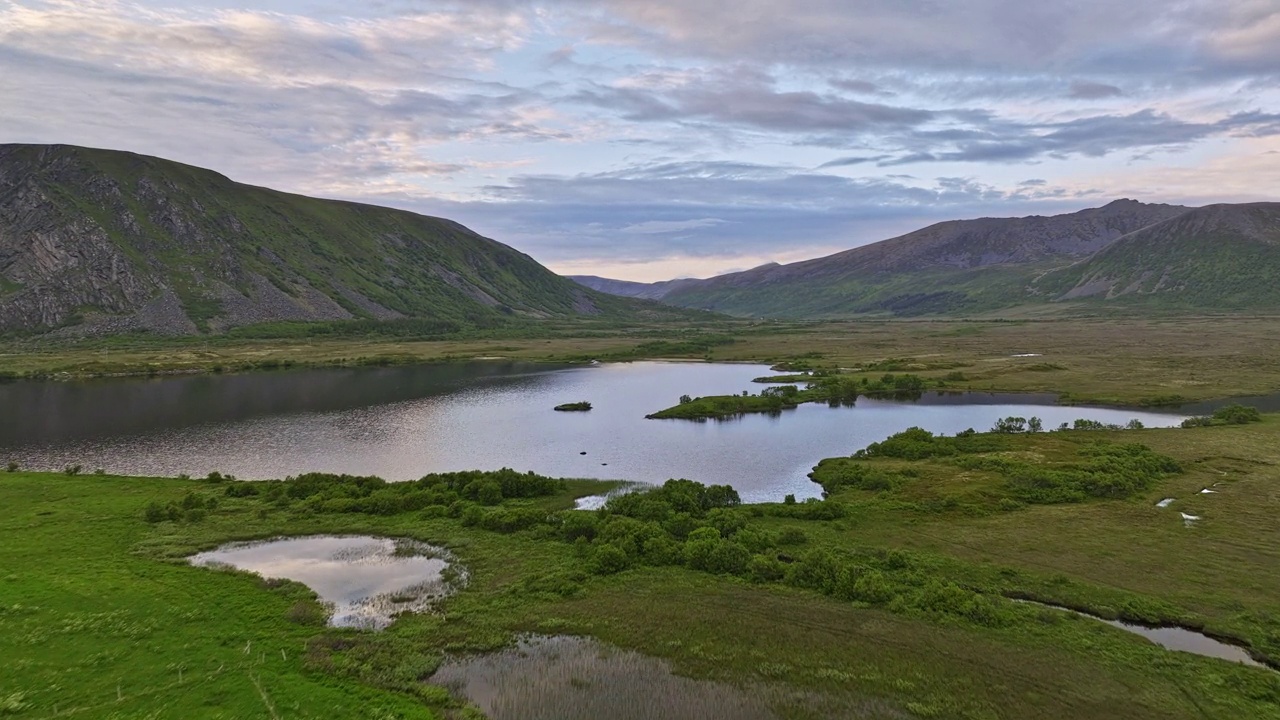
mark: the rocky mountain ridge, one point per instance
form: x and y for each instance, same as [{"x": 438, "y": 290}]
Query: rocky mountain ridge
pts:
[{"x": 103, "y": 241}]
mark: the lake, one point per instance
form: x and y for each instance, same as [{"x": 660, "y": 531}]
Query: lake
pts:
[{"x": 403, "y": 422}]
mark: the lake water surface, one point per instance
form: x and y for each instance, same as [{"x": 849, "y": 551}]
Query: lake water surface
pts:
[{"x": 403, "y": 422}]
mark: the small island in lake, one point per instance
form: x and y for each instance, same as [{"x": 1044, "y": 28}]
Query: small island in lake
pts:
[{"x": 574, "y": 407}]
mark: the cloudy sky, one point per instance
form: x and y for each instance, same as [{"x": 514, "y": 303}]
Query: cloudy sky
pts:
[{"x": 649, "y": 139}]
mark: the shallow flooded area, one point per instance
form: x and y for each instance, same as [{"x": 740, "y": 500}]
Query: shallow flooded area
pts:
[
  {"x": 1173, "y": 638},
  {"x": 401, "y": 423},
  {"x": 366, "y": 580},
  {"x": 573, "y": 678}
]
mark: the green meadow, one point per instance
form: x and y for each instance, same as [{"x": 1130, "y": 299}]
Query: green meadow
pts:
[{"x": 892, "y": 597}]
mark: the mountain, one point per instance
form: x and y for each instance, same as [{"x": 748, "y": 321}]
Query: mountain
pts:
[
  {"x": 112, "y": 241},
  {"x": 626, "y": 288},
  {"x": 1218, "y": 257},
  {"x": 960, "y": 266}
]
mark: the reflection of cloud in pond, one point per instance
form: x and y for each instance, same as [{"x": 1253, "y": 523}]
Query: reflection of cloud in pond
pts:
[
  {"x": 573, "y": 678},
  {"x": 366, "y": 580}
]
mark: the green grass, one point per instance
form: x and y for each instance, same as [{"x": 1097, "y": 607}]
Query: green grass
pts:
[
  {"x": 1121, "y": 361},
  {"x": 100, "y": 615}
]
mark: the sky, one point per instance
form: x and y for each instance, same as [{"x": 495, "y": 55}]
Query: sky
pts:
[{"x": 652, "y": 139}]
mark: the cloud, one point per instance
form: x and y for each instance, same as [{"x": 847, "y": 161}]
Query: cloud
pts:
[
  {"x": 650, "y": 227},
  {"x": 862, "y": 87},
  {"x": 1085, "y": 90},
  {"x": 593, "y": 130},
  {"x": 853, "y": 160},
  {"x": 745, "y": 99}
]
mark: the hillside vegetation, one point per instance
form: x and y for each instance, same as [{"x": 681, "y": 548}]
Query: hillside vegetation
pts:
[
  {"x": 1222, "y": 257},
  {"x": 114, "y": 242},
  {"x": 1122, "y": 257},
  {"x": 956, "y": 267}
]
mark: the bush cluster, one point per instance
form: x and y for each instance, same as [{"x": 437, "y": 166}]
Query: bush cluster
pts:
[
  {"x": 919, "y": 444},
  {"x": 1106, "y": 471},
  {"x": 836, "y": 474},
  {"x": 448, "y": 492},
  {"x": 1229, "y": 415},
  {"x": 192, "y": 508}
]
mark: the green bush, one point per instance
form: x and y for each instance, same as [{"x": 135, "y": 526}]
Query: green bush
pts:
[
  {"x": 155, "y": 512},
  {"x": 1237, "y": 415},
  {"x": 766, "y": 569},
  {"x": 792, "y": 536},
  {"x": 607, "y": 559}
]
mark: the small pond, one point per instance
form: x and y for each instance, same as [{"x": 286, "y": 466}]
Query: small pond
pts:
[
  {"x": 366, "y": 581},
  {"x": 573, "y": 678},
  {"x": 576, "y": 678}
]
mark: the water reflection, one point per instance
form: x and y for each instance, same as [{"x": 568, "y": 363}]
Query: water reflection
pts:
[
  {"x": 1173, "y": 638},
  {"x": 367, "y": 580},
  {"x": 401, "y": 423},
  {"x": 572, "y": 678}
]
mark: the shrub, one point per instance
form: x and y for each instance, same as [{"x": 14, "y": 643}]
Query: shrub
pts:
[
  {"x": 155, "y": 512},
  {"x": 1010, "y": 425},
  {"x": 661, "y": 550},
  {"x": 488, "y": 492},
  {"x": 307, "y": 612},
  {"x": 607, "y": 559},
  {"x": 1237, "y": 415},
  {"x": 242, "y": 490},
  {"x": 766, "y": 569},
  {"x": 873, "y": 587},
  {"x": 792, "y": 536},
  {"x": 12, "y": 466},
  {"x": 729, "y": 558},
  {"x": 578, "y": 524},
  {"x": 72, "y": 469}
]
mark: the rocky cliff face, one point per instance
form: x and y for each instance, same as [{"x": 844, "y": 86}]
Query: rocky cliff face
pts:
[{"x": 105, "y": 241}]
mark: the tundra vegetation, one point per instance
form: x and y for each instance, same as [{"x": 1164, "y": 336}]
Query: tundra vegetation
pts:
[
  {"x": 893, "y": 592},
  {"x": 1101, "y": 359},
  {"x": 833, "y": 389}
]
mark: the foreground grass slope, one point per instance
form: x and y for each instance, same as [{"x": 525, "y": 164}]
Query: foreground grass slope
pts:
[{"x": 100, "y": 617}]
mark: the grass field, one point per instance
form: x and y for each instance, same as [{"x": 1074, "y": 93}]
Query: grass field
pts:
[
  {"x": 1116, "y": 360},
  {"x": 100, "y": 616}
]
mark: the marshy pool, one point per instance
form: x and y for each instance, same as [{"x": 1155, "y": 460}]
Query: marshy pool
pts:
[
  {"x": 366, "y": 581},
  {"x": 566, "y": 677},
  {"x": 1170, "y": 638}
]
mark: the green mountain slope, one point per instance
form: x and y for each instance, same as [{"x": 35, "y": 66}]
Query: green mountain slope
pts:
[
  {"x": 121, "y": 242},
  {"x": 1219, "y": 257},
  {"x": 962, "y": 266}
]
